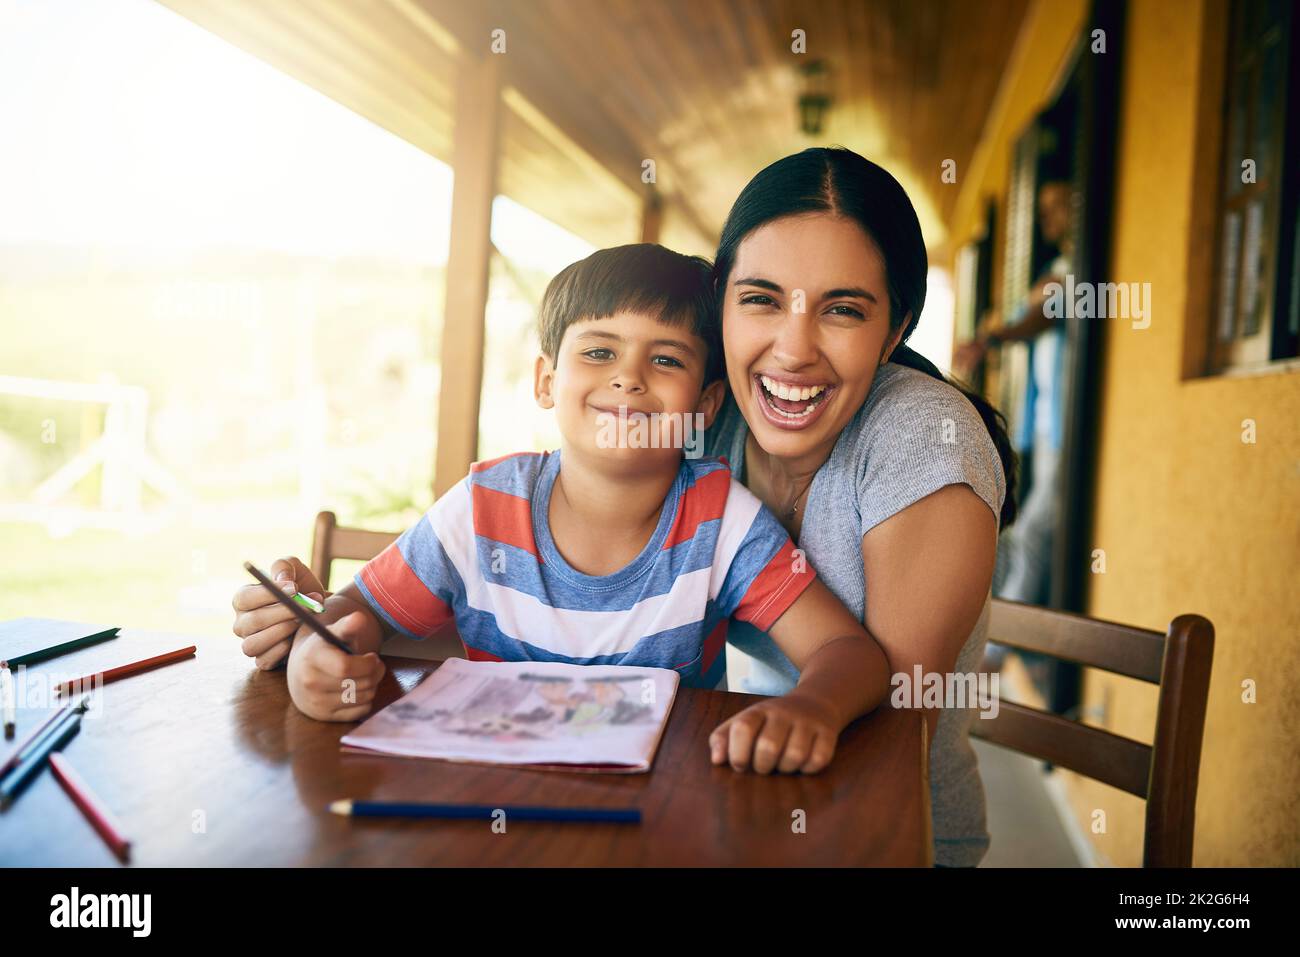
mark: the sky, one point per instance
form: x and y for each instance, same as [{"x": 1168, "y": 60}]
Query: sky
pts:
[{"x": 122, "y": 123}]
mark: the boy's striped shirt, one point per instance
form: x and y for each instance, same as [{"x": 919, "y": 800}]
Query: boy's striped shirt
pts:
[{"x": 483, "y": 555}]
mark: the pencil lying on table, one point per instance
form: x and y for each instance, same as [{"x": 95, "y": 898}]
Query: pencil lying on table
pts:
[
  {"x": 125, "y": 671},
  {"x": 59, "y": 735},
  {"x": 54, "y": 651},
  {"x": 99, "y": 816},
  {"x": 9, "y": 704},
  {"x": 572, "y": 814},
  {"x": 31, "y": 739}
]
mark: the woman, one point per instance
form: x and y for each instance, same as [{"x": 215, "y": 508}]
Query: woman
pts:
[{"x": 883, "y": 472}]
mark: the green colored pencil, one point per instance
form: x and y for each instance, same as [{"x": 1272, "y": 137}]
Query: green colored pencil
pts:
[{"x": 42, "y": 654}]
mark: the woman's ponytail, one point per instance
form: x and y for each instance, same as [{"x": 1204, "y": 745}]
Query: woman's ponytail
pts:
[{"x": 994, "y": 421}]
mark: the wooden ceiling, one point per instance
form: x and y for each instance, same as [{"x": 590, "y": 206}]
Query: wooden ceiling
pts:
[{"x": 705, "y": 88}]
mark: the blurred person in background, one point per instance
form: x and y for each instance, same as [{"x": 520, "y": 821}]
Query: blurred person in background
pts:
[{"x": 1025, "y": 552}]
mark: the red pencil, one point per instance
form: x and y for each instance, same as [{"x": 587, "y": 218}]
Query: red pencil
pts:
[
  {"x": 96, "y": 813},
  {"x": 112, "y": 674}
]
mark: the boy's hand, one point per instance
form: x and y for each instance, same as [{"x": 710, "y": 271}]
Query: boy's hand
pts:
[
  {"x": 791, "y": 733},
  {"x": 328, "y": 684},
  {"x": 266, "y": 626}
]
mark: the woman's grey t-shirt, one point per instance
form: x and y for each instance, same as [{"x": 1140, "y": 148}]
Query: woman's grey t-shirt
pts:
[{"x": 913, "y": 436}]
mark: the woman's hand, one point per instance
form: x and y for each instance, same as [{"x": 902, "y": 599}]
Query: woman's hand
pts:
[
  {"x": 267, "y": 627},
  {"x": 795, "y": 732}
]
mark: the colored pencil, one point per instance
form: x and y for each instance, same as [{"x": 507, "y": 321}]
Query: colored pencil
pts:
[
  {"x": 125, "y": 671},
  {"x": 31, "y": 739},
  {"x": 304, "y": 616},
  {"x": 17, "y": 779},
  {"x": 42, "y": 654},
  {"x": 99, "y": 816},
  {"x": 347, "y": 808},
  {"x": 9, "y": 705},
  {"x": 311, "y": 604}
]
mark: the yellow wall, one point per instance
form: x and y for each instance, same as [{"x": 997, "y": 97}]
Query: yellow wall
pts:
[{"x": 1191, "y": 518}]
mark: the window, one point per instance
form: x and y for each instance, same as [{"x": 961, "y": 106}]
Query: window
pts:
[{"x": 1255, "y": 315}]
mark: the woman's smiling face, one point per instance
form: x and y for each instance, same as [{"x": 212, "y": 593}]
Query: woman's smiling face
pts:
[{"x": 805, "y": 325}]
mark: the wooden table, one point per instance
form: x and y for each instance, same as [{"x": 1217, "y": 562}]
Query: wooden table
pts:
[{"x": 208, "y": 763}]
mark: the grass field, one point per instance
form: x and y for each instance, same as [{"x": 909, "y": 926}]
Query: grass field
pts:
[{"x": 180, "y": 578}]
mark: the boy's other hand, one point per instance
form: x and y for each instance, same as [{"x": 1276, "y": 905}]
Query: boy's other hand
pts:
[
  {"x": 787, "y": 734},
  {"x": 328, "y": 684},
  {"x": 267, "y": 627}
]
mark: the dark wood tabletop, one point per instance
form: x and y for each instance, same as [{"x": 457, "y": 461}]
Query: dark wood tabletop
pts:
[{"x": 208, "y": 763}]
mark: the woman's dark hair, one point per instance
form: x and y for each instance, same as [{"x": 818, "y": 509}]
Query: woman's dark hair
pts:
[{"x": 839, "y": 181}]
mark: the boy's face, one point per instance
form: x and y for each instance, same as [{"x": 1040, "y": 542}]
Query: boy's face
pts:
[{"x": 627, "y": 389}]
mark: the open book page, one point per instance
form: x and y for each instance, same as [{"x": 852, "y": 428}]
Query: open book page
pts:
[{"x": 527, "y": 713}]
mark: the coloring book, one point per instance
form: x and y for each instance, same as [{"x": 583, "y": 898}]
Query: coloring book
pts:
[{"x": 535, "y": 714}]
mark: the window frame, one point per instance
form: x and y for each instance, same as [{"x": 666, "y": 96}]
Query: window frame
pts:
[{"x": 1272, "y": 347}]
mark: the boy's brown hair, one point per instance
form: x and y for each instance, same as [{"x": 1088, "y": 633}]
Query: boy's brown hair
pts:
[{"x": 640, "y": 277}]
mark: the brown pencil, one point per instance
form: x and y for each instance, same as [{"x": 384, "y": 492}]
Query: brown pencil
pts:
[{"x": 125, "y": 671}]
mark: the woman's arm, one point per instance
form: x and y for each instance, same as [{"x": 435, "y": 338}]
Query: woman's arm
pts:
[{"x": 928, "y": 570}]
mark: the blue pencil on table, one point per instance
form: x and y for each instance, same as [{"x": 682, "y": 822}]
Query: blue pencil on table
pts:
[
  {"x": 37, "y": 756},
  {"x": 595, "y": 815},
  {"x": 37, "y": 733}
]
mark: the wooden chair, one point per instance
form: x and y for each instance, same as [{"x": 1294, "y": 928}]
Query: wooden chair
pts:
[
  {"x": 333, "y": 541},
  {"x": 1164, "y": 773}
]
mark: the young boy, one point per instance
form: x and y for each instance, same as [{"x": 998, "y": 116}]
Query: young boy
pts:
[{"x": 619, "y": 548}]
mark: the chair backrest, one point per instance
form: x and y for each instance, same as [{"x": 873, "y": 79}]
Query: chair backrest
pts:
[
  {"x": 1163, "y": 773},
  {"x": 331, "y": 541}
]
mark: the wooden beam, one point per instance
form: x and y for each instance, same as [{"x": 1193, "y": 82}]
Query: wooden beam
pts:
[
  {"x": 581, "y": 117},
  {"x": 427, "y": 25},
  {"x": 475, "y": 156},
  {"x": 652, "y": 217},
  {"x": 542, "y": 125}
]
